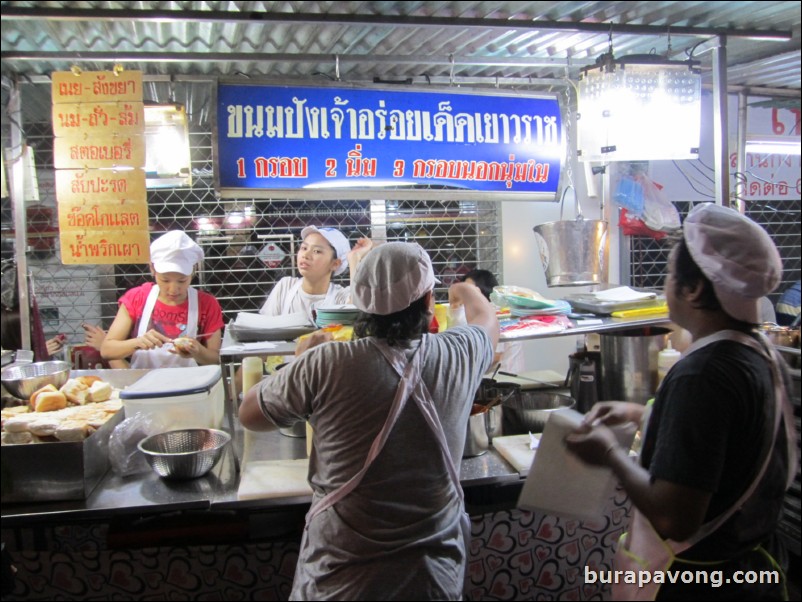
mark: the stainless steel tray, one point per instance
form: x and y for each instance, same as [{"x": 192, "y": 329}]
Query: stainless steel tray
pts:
[
  {"x": 589, "y": 302},
  {"x": 61, "y": 470}
]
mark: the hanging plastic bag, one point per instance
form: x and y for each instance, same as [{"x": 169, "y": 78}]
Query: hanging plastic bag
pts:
[
  {"x": 124, "y": 455},
  {"x": 634, "y": 226},
  {"x": 658, "y": 212},
  {"x": 629, "y": 195}
]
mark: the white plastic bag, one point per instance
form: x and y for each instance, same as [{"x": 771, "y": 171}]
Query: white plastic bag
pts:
[{"x": 125, "y": 457}]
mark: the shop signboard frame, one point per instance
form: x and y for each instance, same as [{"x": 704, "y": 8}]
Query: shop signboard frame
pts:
[{"x": 330, "y": 141}]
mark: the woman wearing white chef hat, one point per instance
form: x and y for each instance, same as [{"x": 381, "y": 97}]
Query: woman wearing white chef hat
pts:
[
  {"x": 167, "y": 322},
  {"x": 719, "y": 448},
  {"x": 389, "y": 412},
  {"x": 324, "y": 253}
]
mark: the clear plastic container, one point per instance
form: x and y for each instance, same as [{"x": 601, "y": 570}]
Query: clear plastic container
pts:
[{"x": 178, "y": 397}]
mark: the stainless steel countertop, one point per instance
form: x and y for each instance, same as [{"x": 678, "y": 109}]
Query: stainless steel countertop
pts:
[{"x": 146, "y": 493}]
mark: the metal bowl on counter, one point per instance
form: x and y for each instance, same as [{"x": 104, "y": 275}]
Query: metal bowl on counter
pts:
[
  {"x": 529, "y": 411},
  {"x": 184, "y": 454},
  {"x": 21, "y": 381}
]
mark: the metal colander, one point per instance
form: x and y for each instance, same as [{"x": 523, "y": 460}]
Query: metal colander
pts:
[{"x": 184, "y": 454}]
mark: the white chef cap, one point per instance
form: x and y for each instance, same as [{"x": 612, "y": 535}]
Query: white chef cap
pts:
[{"x": 736, "y": 255}]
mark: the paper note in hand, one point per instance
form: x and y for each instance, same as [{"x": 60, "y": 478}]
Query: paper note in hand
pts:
[{"x": 559, "y": 482}]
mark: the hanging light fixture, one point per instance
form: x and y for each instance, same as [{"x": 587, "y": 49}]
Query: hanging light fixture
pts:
[
  {"x": 168, "y": 162},
  {"x": 773, "y": 145},
  {"x": 639, "y": 108}
]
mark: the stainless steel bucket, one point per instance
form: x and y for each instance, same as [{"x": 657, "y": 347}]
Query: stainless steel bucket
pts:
[
  {"x": 573, "y": 252},
  {"x": 629, "y": 363}
]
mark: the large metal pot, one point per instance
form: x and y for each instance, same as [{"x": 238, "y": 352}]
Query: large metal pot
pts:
[
  {"x": 573, "y": 252},
  {"x": 629, "y": 363}
]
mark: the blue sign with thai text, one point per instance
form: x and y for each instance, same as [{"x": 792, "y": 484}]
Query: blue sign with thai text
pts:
[{"x": 278, "y": 137}]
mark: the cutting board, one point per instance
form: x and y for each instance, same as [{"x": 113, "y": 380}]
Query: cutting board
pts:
[
  {"x": 274, "y": 479},
  {"x": 515, "y": 450},
  {"x": 544, "y": 376}
]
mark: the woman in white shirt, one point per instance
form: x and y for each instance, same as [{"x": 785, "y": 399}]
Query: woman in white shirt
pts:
[{"x": 323, "y": 254}]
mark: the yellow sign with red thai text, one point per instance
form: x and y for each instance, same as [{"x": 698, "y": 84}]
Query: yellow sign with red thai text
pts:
[
  {"x": 123, "y": 186},
  {"x": 96, "y": 86},
  {"x": 83, "y": 151},
  {"x": 98, "y": 118},
  {"x": 105, "y": 246},
  {"x": 99, "y": 153}
]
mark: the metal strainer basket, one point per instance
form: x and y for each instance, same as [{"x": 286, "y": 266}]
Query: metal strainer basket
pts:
[{"x": 184, "y": 454}]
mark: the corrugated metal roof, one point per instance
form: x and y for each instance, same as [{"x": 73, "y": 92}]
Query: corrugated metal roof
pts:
[{"x": 441, "y": 42}]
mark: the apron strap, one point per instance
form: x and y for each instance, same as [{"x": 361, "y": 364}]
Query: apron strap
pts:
[
  {"x": 782, "y": 408},
  {"x": 192, "y": 312},
  {"x": 409, "y": 377},
  {"x": 425, "y": 402},
  {"x": 147, "y": 312}
]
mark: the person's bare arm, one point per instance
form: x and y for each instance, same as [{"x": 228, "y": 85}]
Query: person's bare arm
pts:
[
  {"x": 118, "y": 346},
  {"x": 250, "y": 414},
  {"x": 676, "y": 511},
  {"x": 478, "y": 310}
]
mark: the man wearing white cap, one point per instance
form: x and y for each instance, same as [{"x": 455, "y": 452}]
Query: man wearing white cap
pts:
[
  {"x": 389, "y": 412},
  {"x": 324, "y": 253},
  {"x": 167, "y": 322},
  {"x": 719, "y": 449}
]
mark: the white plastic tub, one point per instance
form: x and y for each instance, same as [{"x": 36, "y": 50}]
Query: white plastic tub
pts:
[{"x": 180, "y": 398}]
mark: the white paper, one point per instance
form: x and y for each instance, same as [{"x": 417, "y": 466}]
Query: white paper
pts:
[
  {"x": 623, "y": 293},
  {"x": 257, "y": 346},
  {"x": 260, "y": 322},
  {"x": 559, "y": 482}
]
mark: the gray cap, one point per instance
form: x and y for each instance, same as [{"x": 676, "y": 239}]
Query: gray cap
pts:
[
  {"x": 391, "y": 277},
  {"x": 736, "y": 255}
]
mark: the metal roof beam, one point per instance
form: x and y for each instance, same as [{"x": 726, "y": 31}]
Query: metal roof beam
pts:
[
  {"x": 254, "y": 17},
  {"x": 233, "y": 57}
]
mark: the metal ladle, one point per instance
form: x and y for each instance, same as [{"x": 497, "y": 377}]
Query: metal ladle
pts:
[{"x": 533, "y": 380}]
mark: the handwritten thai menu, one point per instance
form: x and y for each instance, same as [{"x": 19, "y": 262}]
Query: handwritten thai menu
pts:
[{"x": 99, "y": 154}]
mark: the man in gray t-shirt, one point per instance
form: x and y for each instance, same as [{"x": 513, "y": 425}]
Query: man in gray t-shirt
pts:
[{"x": 389, "y": 412}]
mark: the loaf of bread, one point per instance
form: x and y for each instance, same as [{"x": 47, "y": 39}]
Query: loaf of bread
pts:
[
  {"x": 17, "y": 438},
  {"x": 88, "y": 380},
  {"x": 182, "y": 344},
  {"x": 99, "y": 391},
  {"x": 50, "y": 401},
  {"x": 45, "y": 389},
  {"x": 76, "y": 391}
]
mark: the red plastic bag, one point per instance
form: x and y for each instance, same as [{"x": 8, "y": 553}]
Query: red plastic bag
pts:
[{"x": 633, "y": 226}]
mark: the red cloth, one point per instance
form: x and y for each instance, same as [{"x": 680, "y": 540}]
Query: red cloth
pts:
[
  {"x": 38, "y": 341},
  {"x": 171, "y": 320}
]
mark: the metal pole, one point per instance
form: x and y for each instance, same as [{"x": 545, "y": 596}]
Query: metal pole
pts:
[
  {"x": 740, "y": 155},
  {"x": 17, "y": 190},
  {"x": 720, "y": 151}
]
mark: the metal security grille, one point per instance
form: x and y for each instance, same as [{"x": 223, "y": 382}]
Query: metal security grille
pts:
[
  {"x": 648, "y": 258},
  {"x": 249, "y": 243}
]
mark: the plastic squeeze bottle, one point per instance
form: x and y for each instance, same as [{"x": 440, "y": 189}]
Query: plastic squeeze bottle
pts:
[{"x": 665, "y": 359}]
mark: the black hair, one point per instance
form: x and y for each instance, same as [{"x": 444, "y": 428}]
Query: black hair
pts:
[
  {"x": 398, "y": 327},
  {"x": 483, "y": 279},
  {"x": 687, "y": 274}
]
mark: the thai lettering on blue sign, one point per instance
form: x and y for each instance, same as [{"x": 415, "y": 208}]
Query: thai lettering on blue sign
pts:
[{"x": 272, "y": 137}]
